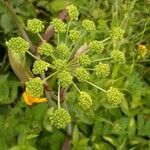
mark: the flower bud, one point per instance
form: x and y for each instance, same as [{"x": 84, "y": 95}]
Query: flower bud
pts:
[
  {"x": 59, "y": 118},
  {"x": 58, "y": 25},
  {"x": 60, "y": 65},
  {"x": 114, "y": 96},
  {"x": 116, "y": 33},
  {"x": 63, "y": 50},
  {"x": 35, "y": 87},
  {"x": 102, "y": 70},
  {"x": 88, "y": 25},
  {"x": 118, "y": 56},
  {"x": 18, "y": 45},
  {"x": 82, "y": 74},
  {"x": 85, "y": 100},
  {"x": 84, "y": 60},
  {"x": 40, "y": 66},
  {"x": 35, "y": 25},
  {"x": 73, "y": 12},
  {"x": 96, "y": 46},
  {"x": 64, "y": 78},
  {"x": 45, "y": 49},
  {"x": 74, "y": 35}
]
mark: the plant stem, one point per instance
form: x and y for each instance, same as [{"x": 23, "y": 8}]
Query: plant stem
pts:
[
  {"x": 58, "y": 96},
  {"x": 108, "y": 58},
  {"x": 40, "y": 37},
  {"x": 96, "y": 86},
  {"x": 32, "y": 55},
  {"x": 76, "y": 87},
  {"x": 58, "y": 40},
  {"x": 68, "y": 26},
  {"x": 105, "y": 39},
  {"x": 49, "y": 76}
]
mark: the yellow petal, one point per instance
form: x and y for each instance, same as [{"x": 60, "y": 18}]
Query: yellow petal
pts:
[
  {"x": 142, "y": 49},
  {"x": 30, "y": 100}
]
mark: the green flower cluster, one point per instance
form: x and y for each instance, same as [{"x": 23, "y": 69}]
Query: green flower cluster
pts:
[
  {"x": 84, "y": 60},
  {"x": 102, "y": 70},
  {"x": 60, "y": 65},
  {"x": 82, "y": 74},
  {"x": 40, "y": 66},
  {"x": 73, "y": 12},
  {"x": 18, "y": 45},
  {"x": 35, "y": 25},
  {"x": 59, "y": 118},
  {"x": 65, "y": 78},
  {"x": 114, "y": 96},
  {"x": 116, "y": 33},
  {"x": 96, "y": 46},
  {"x": 58, "y": 25},
  {"x": 45, "y": 49},
  {"x": 63, "y": 50},
  {"x": 118, "y": 56},
  {"x": 85, "y": 101},
  {"x": 88, "y": 25},
  {"x": 74, "y": 35},
  {"x": 35, "y": 87}
]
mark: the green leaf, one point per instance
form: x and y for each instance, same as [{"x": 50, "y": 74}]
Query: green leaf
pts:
[
  {"x": 6, "y": 23},
  {"x": 131, "y": 128},
  {"x": 75, "y": 136}
]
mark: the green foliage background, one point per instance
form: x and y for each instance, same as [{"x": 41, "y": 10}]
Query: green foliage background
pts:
[{"x": 102, "y": 128}]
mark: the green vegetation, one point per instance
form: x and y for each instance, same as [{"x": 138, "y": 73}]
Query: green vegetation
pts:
[{"x": 74, "y": 75}]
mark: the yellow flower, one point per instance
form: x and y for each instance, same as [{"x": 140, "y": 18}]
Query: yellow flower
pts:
[
  {"x": 142, "y": 49},
  {"x": 30, "y": 100}
]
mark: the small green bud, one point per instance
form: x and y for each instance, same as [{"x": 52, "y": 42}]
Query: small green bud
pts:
[
  {"x": 35, "y": 25},
  {"x": 45, "y": 49},
  {"x": 96, "y": 46},
  {"x": 73, "y": 12},
  {"x": 74, "y": 35},
  {"x": 58, "y": 25},
  {"x": 35, "y": 87},
  {"x": 82, "y": 74},
  {"x": 65, "y": 78},
  {"x": 63, "y": 50},
  {"x": 84, "y": 60},
  {"x": 60, "y": 65},
  {"x": 102, "y": 70},
  {"x": 116, "y": 33},
  {"x": 88, "y": 25},
  {"x": 18, "y": 45},
  {"x": 118, "y": 56},
  {"x": 60, "y": 118},
  {"x": 114, "y": 96},
  {"x": 85, "y": 100},
  {"x": 40, "y": 66}
]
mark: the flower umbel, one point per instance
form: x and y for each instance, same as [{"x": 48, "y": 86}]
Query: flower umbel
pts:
[
  {"x": 116, "y": 33},
  {"x": 35, "y": 25},
  {"x": 82, "y": 74},
  {"x": 118, "y": 56},
  {"x": 40, "y": 66},
  {"x": 102, "y": 70},
  {"x": 64, "y": 78},
  {"x": 45, "y": 49},
  {"x": 85, "y": 100},
  {"x": 35, "y": 87},
  {"x": 59, "y": 25},
  {"x": 18, "y": 45},
  {"x": 88, "y": 25},
  {"x": 114, "y": 96},
  {"x": 59, "y": 118},
  {"x": 30, "y": 100},
  {"x": 73, "y": 12},
  {"x": 96, "y": 46}
]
